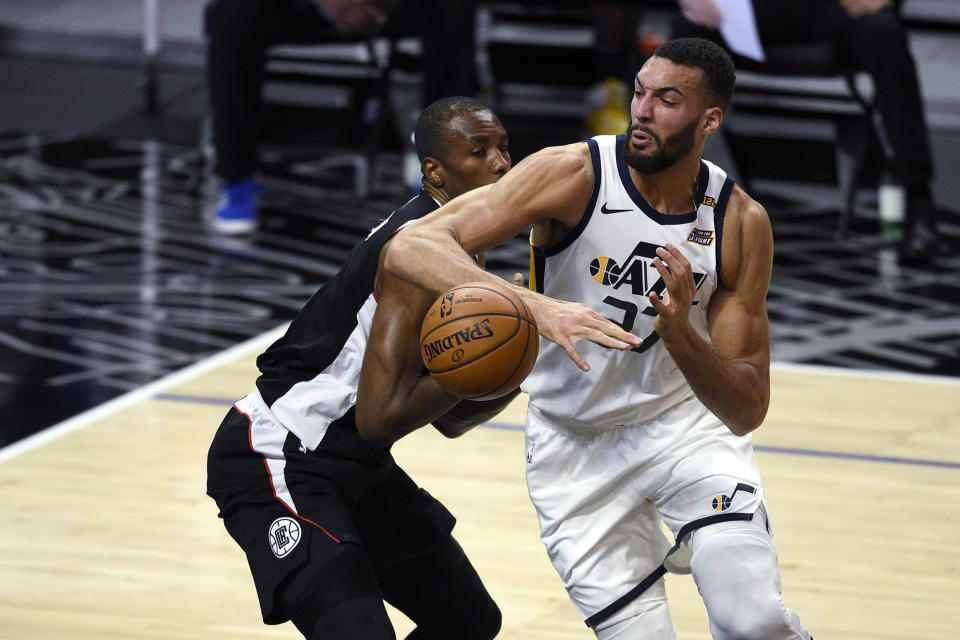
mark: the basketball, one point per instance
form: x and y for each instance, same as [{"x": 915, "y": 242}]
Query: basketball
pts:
[{"x": 479, "y": 341}]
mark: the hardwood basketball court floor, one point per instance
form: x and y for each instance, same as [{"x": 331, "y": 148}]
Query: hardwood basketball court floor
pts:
[
  {"x": 120, "y": 316},
  {"x": 107, "y": 532}
]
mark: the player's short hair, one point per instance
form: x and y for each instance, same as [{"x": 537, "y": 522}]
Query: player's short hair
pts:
[
  {"x": 434, "y": 126},
  {"x": 711, "y": 58}
]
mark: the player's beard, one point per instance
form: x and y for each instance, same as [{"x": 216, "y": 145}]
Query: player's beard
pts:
[{"x": 668, "y": 153}]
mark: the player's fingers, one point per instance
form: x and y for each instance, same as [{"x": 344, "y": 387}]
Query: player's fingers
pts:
[
  {"x": 666, "y": 273},
  {"x": 610, "y": 334},
  {"x": 677, "y": 263},
  {"x": 656, "y": 302},
  {"x": 675, "y": 255},
  {"x": 575, "y": 356},
  {"x": 615, "y": 343}
]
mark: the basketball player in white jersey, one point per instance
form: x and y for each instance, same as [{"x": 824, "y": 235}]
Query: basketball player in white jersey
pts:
[{"x": 650, "y": 270}]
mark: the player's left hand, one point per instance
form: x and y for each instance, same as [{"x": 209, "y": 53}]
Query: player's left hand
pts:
[{"x": 673, "y": 308}]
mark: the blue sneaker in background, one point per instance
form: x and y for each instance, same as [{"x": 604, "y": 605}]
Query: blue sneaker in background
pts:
[{"x": 237, "y": 212}]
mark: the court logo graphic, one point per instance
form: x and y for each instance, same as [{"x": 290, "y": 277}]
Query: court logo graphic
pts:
[
  {"x": 284, "y": 535},
  {"x": 637, "y": 277},
  {"x": 722, "y": 502}
]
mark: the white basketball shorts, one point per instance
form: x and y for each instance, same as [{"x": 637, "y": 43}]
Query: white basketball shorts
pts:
[{"x": 600, "y": 496}]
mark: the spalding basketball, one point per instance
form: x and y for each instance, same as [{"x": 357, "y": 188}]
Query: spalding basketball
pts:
[{"x": 479, "y": 340}]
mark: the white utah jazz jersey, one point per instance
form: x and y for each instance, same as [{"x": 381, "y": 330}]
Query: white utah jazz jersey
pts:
[{"x": 606, "y": 262}]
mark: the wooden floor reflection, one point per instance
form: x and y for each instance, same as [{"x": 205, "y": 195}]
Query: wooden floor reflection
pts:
[{"x": 107, "y": 532}]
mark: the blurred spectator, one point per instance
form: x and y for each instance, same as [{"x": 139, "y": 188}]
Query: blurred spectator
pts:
[
  {"x": 239, "y": 33},
  {"x": 617, "y": 56},
  {"x": 871, "y": 33}
]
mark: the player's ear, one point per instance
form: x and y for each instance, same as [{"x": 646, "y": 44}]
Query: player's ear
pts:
[
  {"x": 712, "y": 118},
  {"x": 433, "y": 172}
]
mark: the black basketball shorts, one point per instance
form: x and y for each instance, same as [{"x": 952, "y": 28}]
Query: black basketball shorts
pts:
[{"x": 287, "y": 507}]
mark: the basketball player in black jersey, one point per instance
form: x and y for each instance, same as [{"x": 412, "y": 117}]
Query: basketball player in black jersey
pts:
[{"x": 331, "y": 526}]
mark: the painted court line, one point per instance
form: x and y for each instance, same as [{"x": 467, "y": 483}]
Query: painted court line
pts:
[
  {"x": 145, "y": 392},
  {"x": 790, "y": 451},
  {"x": 156, "y": 390}
]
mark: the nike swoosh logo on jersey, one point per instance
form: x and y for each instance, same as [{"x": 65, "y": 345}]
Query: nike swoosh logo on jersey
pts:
[{"x": 604, "y": 209}]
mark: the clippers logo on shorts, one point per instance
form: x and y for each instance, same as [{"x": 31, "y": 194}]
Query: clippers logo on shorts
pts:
[
  {"x": 284, "y": 535},
  {"x": 722, "y": 502}
]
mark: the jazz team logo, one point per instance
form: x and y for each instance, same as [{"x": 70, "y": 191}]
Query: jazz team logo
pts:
[
  {"x": 604, "y": 270},
  {"x": 637, "y": 272},
  {"x": 633, "y": 279},
  {"x": 722, "y": 502}
]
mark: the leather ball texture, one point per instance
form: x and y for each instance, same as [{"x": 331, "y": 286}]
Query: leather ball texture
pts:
[{"x": 479, "y": 340}]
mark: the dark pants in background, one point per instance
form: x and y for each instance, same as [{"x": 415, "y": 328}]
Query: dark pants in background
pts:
[{"x": 240, "y": 31}]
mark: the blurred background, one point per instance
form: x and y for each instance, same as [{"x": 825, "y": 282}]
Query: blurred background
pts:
[{"x": 114, "y": 273}]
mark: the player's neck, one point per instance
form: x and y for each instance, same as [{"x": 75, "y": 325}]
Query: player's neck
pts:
[
  {"x": 438, "y": 194},
  {"x": 671, "y": 190}
]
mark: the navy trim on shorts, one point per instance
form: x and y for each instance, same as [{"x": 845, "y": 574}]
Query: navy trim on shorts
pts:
[
  {"x": 659, "y": 572},
  {"x": 623, "y": 600}
]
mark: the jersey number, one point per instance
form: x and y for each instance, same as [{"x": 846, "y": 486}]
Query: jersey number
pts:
[{"x": 626, "y": 323}]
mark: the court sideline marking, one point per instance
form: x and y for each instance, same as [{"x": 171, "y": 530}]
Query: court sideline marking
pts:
[
  {"x": 145, "y": 392},
  {"x": 156, "y": 390}
]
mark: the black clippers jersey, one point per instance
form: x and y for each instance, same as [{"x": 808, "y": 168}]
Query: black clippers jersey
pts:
[{"x": 309, "y": 376}]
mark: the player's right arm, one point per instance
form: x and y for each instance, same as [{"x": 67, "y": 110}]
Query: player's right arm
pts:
[
  {"x": 395, "y": 394},
  {"x": 551, "y": 187}
]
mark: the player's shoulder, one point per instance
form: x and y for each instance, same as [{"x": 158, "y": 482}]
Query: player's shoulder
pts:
[
  {"x": 745, "y": 211},
  {"x": 747, "y": 243},
  {"x": 414, "y": 208},
  {"x": 417, "y": 206},
  {"x": 575, "y": 153},
  {"x": 563, "y": 161}
]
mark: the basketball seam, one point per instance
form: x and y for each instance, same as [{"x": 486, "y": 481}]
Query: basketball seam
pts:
[{"x": 523, "y": 356}]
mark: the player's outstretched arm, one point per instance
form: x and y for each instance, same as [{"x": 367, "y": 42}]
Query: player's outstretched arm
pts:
[
  {"x": 467, "y": 414},
  {"x": 555, "y": 183},
  {"x": 396, "y": 395},
  {"x": 731, "y": 375}
]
